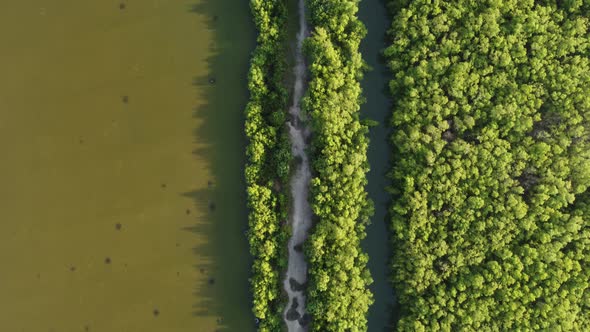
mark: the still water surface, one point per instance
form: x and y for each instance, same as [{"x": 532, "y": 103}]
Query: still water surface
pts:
[
  {"x": 383, "y": 312},
  {"x": 121, "y": 195}
]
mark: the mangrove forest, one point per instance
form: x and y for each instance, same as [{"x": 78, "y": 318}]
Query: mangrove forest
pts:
[{"x": 489, "y": 165}]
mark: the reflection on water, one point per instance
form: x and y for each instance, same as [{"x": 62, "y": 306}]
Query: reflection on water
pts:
[{"x": 110, "y": 193}]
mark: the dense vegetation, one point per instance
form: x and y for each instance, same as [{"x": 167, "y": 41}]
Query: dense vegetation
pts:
[
  {"x": 491, "y": 211},
  {"x": 269, "y": 157},
  {"x": 338, "y": 297}
]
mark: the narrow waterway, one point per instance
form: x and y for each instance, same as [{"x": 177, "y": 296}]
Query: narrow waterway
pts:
[
  {"x": 377, "y": 107},
  {"x": 296, "y": 276},
  {"x": 122, "y": 201}
]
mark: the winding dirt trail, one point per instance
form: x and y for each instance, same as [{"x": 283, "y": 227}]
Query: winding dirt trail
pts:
[{"x": 296, "y": 277}]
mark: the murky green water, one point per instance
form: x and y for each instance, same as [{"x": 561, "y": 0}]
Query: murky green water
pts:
[{"x": 121, "y": 195}]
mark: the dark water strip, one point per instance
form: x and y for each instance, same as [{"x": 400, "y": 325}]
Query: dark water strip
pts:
[
  {"x": 228, "y": 294},
  {"x": 377, "y": 107}
]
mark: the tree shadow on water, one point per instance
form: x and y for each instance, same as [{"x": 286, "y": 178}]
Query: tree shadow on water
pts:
[{"x": 224, "y": 289}]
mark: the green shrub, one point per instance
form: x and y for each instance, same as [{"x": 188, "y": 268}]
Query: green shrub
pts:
[
  {"x": 338, "y": 295},
  {"x": 269, "y": 156},
  {"x": 491, "y": 142}
]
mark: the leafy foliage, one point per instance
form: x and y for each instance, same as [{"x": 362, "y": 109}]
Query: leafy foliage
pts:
[
  {"x": 491, "y": 215},
  {"x": 338, "y": 297},
  {"x": 269, "y": 157}
]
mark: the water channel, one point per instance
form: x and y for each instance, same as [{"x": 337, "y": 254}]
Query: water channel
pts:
[{"x": 378, "y": 107}]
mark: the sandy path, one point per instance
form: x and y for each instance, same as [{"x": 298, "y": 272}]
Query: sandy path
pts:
[{"x": 301, "y": 213}]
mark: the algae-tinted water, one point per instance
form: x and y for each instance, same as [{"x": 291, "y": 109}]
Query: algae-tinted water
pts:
[{"x": 121, "y": 193}]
